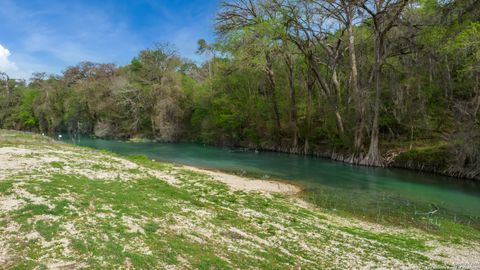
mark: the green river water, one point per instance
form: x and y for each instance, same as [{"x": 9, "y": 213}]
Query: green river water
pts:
[{"x": 374, "y": 192}]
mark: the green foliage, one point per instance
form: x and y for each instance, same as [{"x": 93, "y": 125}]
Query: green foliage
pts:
[
  {"x": 466, "y": 46},
  {"x": 429, "y": 156},
  {"x": 135, "y": 65},
  {"x": 25, "y": 109}
]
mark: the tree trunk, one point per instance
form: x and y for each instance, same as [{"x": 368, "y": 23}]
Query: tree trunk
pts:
[
  {"x": 336, "y": 84},
  {"x": 272, "y": 94},
  {"x": 448, "y": 87},
  {"x": 357, "y": 94},
  {"x": 339, "y": 121},
  {"x": 328, "y": 94},
  {"x": 293, "y": 105},
  {"x": 152, "y": 121},
  {"x": 338, "y": 100},
  {"x": 430, "y": 68},
  {"x": 310, "y": 86},
  {"x": 477, "y": 91},
  {"x": 373, "y": 157},
  {"x": 449, "y": 78}
]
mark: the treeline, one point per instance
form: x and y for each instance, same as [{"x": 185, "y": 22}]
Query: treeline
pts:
[
  {"x": 145, "y": 98},
  {"x": 302, "y": 76}
]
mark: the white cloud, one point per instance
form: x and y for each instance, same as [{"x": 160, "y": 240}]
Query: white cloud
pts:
[{"x": 5, "y": 64}]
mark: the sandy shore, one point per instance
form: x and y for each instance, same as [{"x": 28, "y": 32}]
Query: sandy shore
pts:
[{"x": 236, "y": 182}]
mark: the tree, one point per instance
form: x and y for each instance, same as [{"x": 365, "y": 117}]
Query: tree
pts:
[
  {"x": 157, "y": 74},
  {"x": 310, "y": 30},
  {"x": 205, "y": 48},
  {"x": 384, "y": 15},
  {"x": 346, "y": 12},
  {"x": 246, "y": 23}
]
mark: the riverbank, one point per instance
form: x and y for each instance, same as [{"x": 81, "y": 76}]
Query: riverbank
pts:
[
  {"x": 429, "y": 156},
  {"x": 74, "y": 207},
  {"x": 434, "y": 157}
]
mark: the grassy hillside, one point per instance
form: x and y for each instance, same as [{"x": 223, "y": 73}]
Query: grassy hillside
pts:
[{"x": 63, "y": 206}]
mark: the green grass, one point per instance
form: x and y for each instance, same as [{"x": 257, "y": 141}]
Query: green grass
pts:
[
  {"x": 46, "y": 229},
  {"x": 406, "y": 242},
  {"x": 5, "y": 186},
  {"x": 58, "y": 165}
]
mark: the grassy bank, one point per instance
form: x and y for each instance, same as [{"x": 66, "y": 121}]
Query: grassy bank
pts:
[{"x": 63, "y": 206}]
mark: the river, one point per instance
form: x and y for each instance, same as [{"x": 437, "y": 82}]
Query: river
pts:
[{"x": 375, "y": 192}]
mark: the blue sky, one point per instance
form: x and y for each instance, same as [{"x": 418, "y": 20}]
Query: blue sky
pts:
[{"x": 50, "y": 35}]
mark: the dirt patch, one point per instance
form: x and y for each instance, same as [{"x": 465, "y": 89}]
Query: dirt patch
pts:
[
  {"x": 132, "y": 225},
  {"x": 459, "y": 256},
  {"x": 10, "y": 203},
  {"x": 65, "y": 265}
]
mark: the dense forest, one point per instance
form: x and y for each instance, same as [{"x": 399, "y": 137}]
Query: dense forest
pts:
[{"x": 370, "y": 82}]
